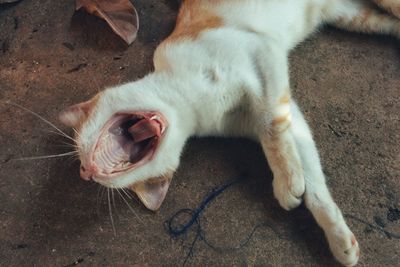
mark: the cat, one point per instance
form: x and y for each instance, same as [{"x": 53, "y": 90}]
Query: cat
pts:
[{"x": 223, "y": 71}]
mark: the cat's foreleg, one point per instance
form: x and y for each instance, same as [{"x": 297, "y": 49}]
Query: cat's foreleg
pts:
[
  {"x": 318, "y": 200},
  {"x": 360, "y": 16},
  {"x": 275, "y": 133}
]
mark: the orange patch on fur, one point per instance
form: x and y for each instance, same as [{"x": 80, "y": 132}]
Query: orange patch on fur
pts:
[
  {"x": 280, "y": 155},
  {"x": 157, "y": 180},
  {"x": 353, "y": 240},
  {"x": 153, "y": 191},
  {"x": 396, "y": 11},
  {"x": 88, "y": 108},
  {"x": 366, "y": 15},
  {"x": 285, "y": 98},
  {"x": 193, "y": 18},
  {"x": 280, "y": 120},
  {"x": 391, "y": 6}
]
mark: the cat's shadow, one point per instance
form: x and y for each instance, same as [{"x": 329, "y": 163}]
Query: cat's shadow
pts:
[
  {"x": 68, "y": 207},
  {"x": 241, "y": 158}
]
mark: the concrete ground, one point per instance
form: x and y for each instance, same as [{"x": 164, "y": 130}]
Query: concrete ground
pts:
[{"x": 347, "y": 85}]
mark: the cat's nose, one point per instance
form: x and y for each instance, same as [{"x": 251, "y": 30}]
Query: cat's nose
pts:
[{"x": 85, "y": 174}]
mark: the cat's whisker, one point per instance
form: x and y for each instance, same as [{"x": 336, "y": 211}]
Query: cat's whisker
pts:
[
  {"x": 75, "y": 143},
  {"x": 72, "y": 153},
  {"x": 76, "y": 132},
  {"x": 129, "y": 195},
  {"x": 113, "y": 199},
  {"x": 99, "y": 198},
  {"x": 129, "y": 206},
  {"x": 75, "y": 155},
  {"x": 110, "y": 212},
  {"x": 73, "y": 158},
  {"x": 8, "y": 102},
  {"x": 69, "y": 145}
]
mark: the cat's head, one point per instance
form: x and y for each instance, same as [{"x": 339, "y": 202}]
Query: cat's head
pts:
[{"x": 127, "y": 137}]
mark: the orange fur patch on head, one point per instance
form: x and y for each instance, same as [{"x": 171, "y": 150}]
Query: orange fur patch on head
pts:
[
  {"x": 194, "y": 17},
  {"x": 167, "y": 177},
  {"x": 74, "y": 116},
  {"x": 153, "y": 191},
  {"x": 90, "y": 106}
]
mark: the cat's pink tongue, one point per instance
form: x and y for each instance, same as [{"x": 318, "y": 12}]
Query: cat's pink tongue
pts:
[{"x": 144, "y": 129}]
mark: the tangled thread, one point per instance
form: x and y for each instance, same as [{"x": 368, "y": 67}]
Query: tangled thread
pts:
[{"x": 176, "y": 229}]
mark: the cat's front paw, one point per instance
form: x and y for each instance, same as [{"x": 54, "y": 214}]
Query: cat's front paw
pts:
[
  {"x": 344, "y": 245},
  {"x": 288, "y": 190}
]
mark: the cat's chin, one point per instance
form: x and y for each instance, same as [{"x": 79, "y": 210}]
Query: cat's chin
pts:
[{"x": 126, "y": 141}]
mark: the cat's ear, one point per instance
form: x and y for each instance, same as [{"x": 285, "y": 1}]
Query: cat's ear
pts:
[
  {"x": 73, "y": 115},
  {"x": 152, "y": 192}
]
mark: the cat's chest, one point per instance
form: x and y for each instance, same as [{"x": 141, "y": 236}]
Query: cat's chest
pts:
[
  {"x": 217, "y": 71},
  {"x": 221, "y": 58}
]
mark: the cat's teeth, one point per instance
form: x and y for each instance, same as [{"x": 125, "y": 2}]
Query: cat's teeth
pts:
[
  {"x": 122, "y": 164},
  {"x": 156, "y": 117}
]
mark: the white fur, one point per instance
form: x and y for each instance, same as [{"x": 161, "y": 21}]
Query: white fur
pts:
[{"x": 228, "y": 82}]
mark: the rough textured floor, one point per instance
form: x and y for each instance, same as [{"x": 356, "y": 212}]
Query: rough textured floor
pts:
[{"x": 347, "y": 85}]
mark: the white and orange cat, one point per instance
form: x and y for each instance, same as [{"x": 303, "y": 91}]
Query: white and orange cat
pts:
[{"x": 223, "y": 72}]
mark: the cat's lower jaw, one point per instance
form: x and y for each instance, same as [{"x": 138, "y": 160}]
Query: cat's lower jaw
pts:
[{"x": 343, "y": 244}]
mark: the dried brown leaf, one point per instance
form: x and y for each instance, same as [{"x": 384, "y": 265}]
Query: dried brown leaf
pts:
[{"x": 121, "y": 15}]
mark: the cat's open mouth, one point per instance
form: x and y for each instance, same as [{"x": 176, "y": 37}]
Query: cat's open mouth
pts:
[{"x": 127, "y": 141}]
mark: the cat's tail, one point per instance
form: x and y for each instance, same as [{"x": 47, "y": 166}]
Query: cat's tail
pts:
[
  {"x": 363, "y": 16},
  {"x": 391, "y": 6}
]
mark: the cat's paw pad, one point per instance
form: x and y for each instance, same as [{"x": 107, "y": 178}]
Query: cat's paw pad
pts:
[
  {"x": 289, "y": 190},
  {"x": 344, "y": 246}
]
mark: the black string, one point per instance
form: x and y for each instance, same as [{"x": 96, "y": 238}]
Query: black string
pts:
[
  {"x": 179, "y": 230},
  {"x": 195, "y": 220},
  {"x": 376, "y": 227}
]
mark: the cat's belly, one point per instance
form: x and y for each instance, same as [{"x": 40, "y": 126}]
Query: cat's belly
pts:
[{"x": 221, "y": 69}]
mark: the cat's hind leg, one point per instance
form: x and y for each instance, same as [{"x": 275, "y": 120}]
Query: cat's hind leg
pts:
[
  {"x": 362, "y": 16},
  {"x": 318, "y": 200},
  {"x": 284, "y": 161},
  {"x": 275, "y": 133}
]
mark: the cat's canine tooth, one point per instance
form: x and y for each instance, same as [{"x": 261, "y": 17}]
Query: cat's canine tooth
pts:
[{"x": 155, "y": 117}]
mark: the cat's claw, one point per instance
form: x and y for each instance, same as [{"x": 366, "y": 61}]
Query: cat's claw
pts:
[
  {"x": 344, "y": 246},
  {"x": 289, "y": 191}
]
